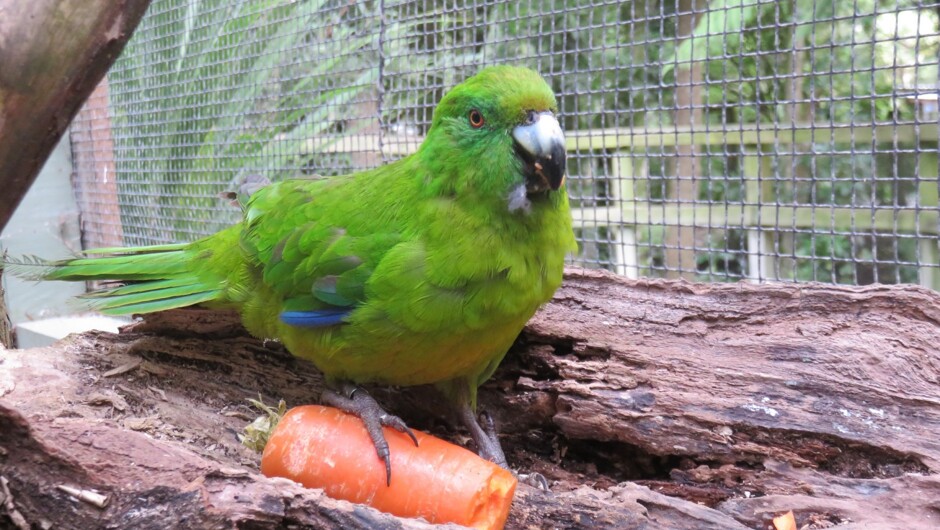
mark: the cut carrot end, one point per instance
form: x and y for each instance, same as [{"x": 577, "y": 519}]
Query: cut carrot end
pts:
[
  {"x": 322, "y": 447},
  {"x": 492, "y": 507},
  {"x": 785, "y": 521}
]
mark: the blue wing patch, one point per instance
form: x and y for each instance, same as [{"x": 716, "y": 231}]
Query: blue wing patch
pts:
[{"x": 314, "y": 319}]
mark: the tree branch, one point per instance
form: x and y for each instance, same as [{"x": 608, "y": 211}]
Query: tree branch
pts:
[{"x": 53, "y": 54}]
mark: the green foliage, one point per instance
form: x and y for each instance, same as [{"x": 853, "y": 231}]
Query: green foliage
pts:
[
  {"x": 718, "y": 30},
  {"x": 599, "y": 57},
  {"x": 727, "y": 264},
  {"x": 214, "y": 91},
  {"x": 850, "y": 60}
]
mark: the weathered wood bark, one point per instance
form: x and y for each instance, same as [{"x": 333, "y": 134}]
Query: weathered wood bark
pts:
[
  {"x": 53, "y": 54},
  {"x": 648, "y": 404}
]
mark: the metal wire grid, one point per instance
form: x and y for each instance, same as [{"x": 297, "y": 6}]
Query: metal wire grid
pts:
[{"x": 718, "y": 140}]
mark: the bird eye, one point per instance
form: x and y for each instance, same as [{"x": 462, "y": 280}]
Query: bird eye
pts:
[{"x": 476, "y": 119}]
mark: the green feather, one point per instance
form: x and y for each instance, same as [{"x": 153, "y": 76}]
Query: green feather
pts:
[
  {"x": 113, "y": 300},
  {"x": 133, "y": 288},
  {"x": 136, "y": 250},
  {"x": 147, "y": 266},
  {"x": 163, "y": 304}
]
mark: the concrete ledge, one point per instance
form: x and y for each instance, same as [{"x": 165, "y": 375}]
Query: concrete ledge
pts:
[{"x": 37, "y": 333}]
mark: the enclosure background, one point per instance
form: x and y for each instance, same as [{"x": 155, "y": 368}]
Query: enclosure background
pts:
[{"x": 712, "y": 140}]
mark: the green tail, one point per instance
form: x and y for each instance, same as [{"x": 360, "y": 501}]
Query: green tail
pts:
[{"x": 151, "y": 278}]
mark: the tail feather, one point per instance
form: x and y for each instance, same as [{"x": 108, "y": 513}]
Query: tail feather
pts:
[
  {"x": 153, "y": 278},
  {"x": 151, "y": 266},
  {"x": 26, "y": 267},
  {"x": 134, "y": 288},
  {"x": 110, "y": 299},
  {"x": 136, "y": 250},
  {"x": 162, "y": 305}
]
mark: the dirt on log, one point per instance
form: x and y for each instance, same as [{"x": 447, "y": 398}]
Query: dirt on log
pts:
[{"x": 646, "y": 404}]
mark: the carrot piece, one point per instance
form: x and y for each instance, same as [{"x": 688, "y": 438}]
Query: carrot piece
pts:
[
  {"x": 322, "y": 447},
  {"x": 785, "y": 521}
]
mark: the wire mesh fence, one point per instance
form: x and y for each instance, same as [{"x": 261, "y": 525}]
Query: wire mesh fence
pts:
[{"x": 712, "y": 140}]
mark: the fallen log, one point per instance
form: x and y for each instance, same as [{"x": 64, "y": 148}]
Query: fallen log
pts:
[{"x": 647, "y": 404}]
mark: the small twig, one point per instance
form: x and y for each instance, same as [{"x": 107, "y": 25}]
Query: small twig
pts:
[
  {"x": 228, "y": 472},
  {"x": 238, "y": 414},
  {"x": 123, "y": 369},
  {"x": 91, "y": 497},
  {"x": 6, "y": 328},
  {"x": 158, "y": 392},
  {"x": 6, "y": 501}
]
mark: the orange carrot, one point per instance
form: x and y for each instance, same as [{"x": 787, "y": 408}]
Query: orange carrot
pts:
[
  {"x": 785, "y": 521},
  {"x": 322, "y": 447}
]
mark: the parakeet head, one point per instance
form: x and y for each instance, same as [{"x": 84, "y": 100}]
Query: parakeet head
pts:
[{"x": 497, "y": 134}]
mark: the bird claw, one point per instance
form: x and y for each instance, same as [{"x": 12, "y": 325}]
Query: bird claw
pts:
[
  {"x": 489, "y": 426},
  {"x": 488, "y": 446},
  {"x": 536, "y": 480},
  {"x": 486, "y": 440},
  {"x": 398, "y": 424},
  {"x": 359, "y": 403}
]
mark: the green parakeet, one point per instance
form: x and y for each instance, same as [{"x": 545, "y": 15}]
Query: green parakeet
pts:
[{"x": 422, "y": 271}]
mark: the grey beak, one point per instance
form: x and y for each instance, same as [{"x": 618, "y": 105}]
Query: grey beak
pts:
[{"x": 541, "y": 146}]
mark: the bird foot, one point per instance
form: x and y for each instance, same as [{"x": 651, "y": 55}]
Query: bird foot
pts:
[
  {"x": 358, "y": 402},
  {"x": 534, "y": 479},
  {"x": 488, "y": 447},
  {"x": 486, "y": 439}
]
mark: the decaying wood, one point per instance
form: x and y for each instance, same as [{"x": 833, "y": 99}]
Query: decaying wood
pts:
[
  {"x": 648, "y": 404},
  {"x": 53, "y": 54}
]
